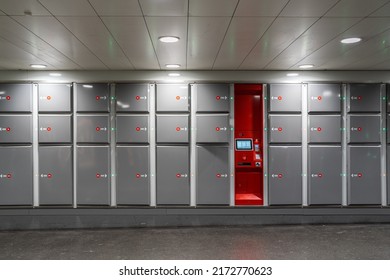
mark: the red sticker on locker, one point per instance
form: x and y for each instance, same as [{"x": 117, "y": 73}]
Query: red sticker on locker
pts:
[
  {"x": 49, "y": 176},
  {"x": 280, "y": 176},
  {"x": 217, "y": 129},
  {"x": 319, "y": 129},
  {"x": 359, "y": 129},
  {"x": 319, "y": 98},
  {"x": 97, "y": 97},
  {"x": 218, "y": 175},
  {"x": 280, "y": 129},
  {"x": 137, "y": 97},
  {"x": 97, "y": 175},
  {"x": 137, "y": 128},
  {"x": 49, "y": 129},
  {"x": 9, "y": 176},
  {"x": 279, "y": 98},
  {"x": 49, "y": 97},
  {"x": 177, "y": 97},
  {"x": 177, "y": 128},
  {"x": 138, "y": 175},
  {"x": 319, "y": 175},
  {"x": 8, "y": 97},
  {"x": 218, "y": 97},
  {"x": 360, "y": 175},
  {"x": 97, "y": 128},
  {"x": 359, "y": 97},
  {"x": 8, "y": 129},
  {"x": 178, "y": 175}
]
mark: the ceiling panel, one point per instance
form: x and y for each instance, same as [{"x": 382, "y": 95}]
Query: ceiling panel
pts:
[
  {"x": 19, "y": 36},
  {"x": 132, "y": 35},
  {"x": 307, "y": 8},
  {"x": 318, "y": 35},
  {"x": 250, "y": 8},
  {"x": 241, "y": 37},
  {"x": 212, "y": 8},
  {"x": 279, "y": 36},
  {"x": 164, "y": 7},
  {"x": 382, "y": 12},
  {"x": 69, "y": 7},
  {"x": 355, "y": 8},
  {"x": 19, "y": 7},
  {"x": 205, "y": 35},
  {"x": 53, "y": 32},
  {"x": 372, "y": 61},
  {"x": 116, "y": 7},
  {"x": 383, "y": 65},
  {"x": 171, "y": 53},
  {"x": 92, "y": 32}
]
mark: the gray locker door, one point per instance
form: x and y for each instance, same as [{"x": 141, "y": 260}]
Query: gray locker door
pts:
[
  {"x": 364, "y": 129},
  {"x": 388, "y": 128},
  {"x": 93, "y": 98},
  {"x": 16, "y": 129},
  {"x": 212, "y": 128},
  {"x": 55, "y": 129},
  {"x": 285, "y": 175},
  {"x": 55, "y": 175},
  {"x": 93, "y": 129},
  {"x": 133, "y": 177},
  {"x": 55, "y": 98},
  {"x": 325, "y": 181},
  {"x": 93, "y": 175},
  {"x": 172, "y": 98},
  {"x": 388, "y": 172},
  {"x": 16, "y": 98},
  {"x": 132, "y": 129},
  {"x": 173, "y": 175},
  {"x": 364, "y": 98},
  {"x": 212, "y": 98},
  {"x": 172, "y": 128},
  {"x": 324, "y": 129},
  {"x": 285, "y": 98},
  {"x": 213, "y": 175},
  {"x": 285, "y": 129},
  {"x": 16, "y": 176},
  {"x": 132, "y": 98},
  {"x": 364, "y": 175},
  {"x": 324, "y": 97}
]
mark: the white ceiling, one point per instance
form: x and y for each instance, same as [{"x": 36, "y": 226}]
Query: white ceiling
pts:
[{"x": 215, "y": 34}]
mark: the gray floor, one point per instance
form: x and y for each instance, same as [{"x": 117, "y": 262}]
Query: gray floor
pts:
[{"x": 370, "y": 241}]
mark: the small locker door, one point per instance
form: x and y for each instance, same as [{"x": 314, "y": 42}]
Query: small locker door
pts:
[
  {"x": 364, "y": 98},
  {"x": 93, "y": 175},
  {"x": 132, "y": 98},
  {"x": 55, "y": 129},
  {"x": 285, "y": 98},
  {"x": 173, "y": 176},
  {"x": 172, "y": 128},
  {"x": 213, "y": 175},
  {"x": 132, "y": 129},
  {"x": 55, "y": 175},
  {"x": 16, "y": 175},
  {"x": 324, "y": 98},
  {"x": 324, "y": 129},
  {"x": 93, "y": 98},
  {"x": 364, "y": 175},
  {"x": 285, "y": 175},
  {"x": 364, "y": 129},
  {"x": 212, "y": 128},
  {"x": 325, "y": 175},
  {"x": 16, "y": 98},
  {"x": 55, "y": 98},
  {"x": 15, "y": 129},
  {"x": 285, "y": 129},
  {"x": 92, "y": 129},
  {"x": 133, "y": 178},
  {"x": 172, "y": 98},
  {"x": 212, "y": 98}
]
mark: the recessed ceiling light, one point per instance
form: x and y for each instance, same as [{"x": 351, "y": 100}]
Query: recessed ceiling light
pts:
[
  {"x": 306, "y": 66},
  {"x": 168, "y": 39},
  {"x": 292, "y": 75},
  {"x": 38, "y": 66},
  {"x": 87, "y": 86},
  {"x": 174, "y": 75},
  {"x": 172, "y": 65},
  {"x": 55, "y": 74},
  {"x": 351, "y": 40}
]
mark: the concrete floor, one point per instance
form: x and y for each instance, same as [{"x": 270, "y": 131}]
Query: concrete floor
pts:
[{"x": 371, "y": 241}]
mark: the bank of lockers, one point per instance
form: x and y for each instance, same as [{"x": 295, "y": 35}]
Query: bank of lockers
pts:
[
  {"x": 285, "y": 98},
  {"x": 172, "y": 128},
  {"x": 285, "y": 175},
  {"x": 364, "y": 128},
  {"x": 93, "y": 98},
  {"x": 363, "y": 98},
  {"x": 324, "y": 98},
  {"x": 324, "y": 174},
  {"x": 55, "y": 98},
  {"x": 132, "y": 129},
  {"x": 133, "y": 177},
  {"x": 172, "y": 98},
  {"x": 173, "y": 175},
  {"x": 15, "y": 129},
  {"x": 15, "y": 98},
  {"x": 55, "y": 175},
  {"x": 55, "y": 129},
  {"x": 93, "y": 129},
  {"x": 285, "y": 129},
  {"x": 212, "y": 182},
  {"x": 16, "y": 175},
  {"x": 132, "y": 98},
  {"x": 324, "y": 129},
  {"x": 212, "y": 98},
  {"x": 93, "y": 175},
  {"x": 364, "y": 175},
  {"x": 212, "y": 128}
]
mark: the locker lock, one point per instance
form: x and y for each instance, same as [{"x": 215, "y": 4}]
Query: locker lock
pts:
[{"x": 6, "y": 176}]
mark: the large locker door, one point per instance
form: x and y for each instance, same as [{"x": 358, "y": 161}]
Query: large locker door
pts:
[
  {"x": 285, "y": 175},
  {"x": 93, "y": 175},
  {"x": 364, "y": 129},
  {"x": 132, "y": 98},
  {"x": 285, "y": 98},
  {"x": 212, "y": 98},
  {"x": 55, "y": 98},
  {"x": 213, "y": 175},
  {"x": 324, "y": 129},
  {"x": 133, "y": 178},
  {"x": 172, "y": 128},
  {"x": 325, "y": 175},
  {"x": 212, "y": 128},
  {"x": 388, "y": 177},
  {"x": 16, "y": 175},
  {"x": 93, "y": 129},
  {"x": 172, "y": 98},
  {"x": 132, "y": 129},
  {"x": 285, "y": 128},
  {"x": 324, "y": 98},
  {"x": 55, "y": 175},
  {"x": 364, "y": 98},
  {"x": 173, "y": 176},
  {"x": 55, "y": 129},
  {"x": 93, "y": 98},
  {"x": 16, "y": 98},
  {"x": 16, "y": 129},
  {"x": 364, "y": 175}
]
